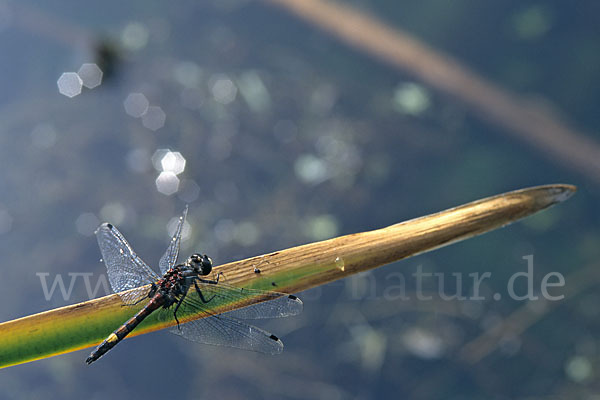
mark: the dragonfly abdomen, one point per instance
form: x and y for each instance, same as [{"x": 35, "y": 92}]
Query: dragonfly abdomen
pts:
[{"x": 124, "y": 330}]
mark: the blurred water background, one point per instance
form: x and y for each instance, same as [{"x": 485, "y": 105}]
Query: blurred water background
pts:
[{"x": 290, "y": 136}]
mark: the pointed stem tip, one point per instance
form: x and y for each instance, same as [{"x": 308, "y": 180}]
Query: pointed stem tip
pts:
[{"x": 556, "y": 193}]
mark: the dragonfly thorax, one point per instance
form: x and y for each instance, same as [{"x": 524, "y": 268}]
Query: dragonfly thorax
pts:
[{"x": 173, "y": 283}]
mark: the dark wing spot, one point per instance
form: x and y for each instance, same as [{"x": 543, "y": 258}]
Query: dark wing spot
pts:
[
  {"x": 291, "y": 296},
  {"x": 275, "y": 338},
  {"x": 109, "y": 226}
]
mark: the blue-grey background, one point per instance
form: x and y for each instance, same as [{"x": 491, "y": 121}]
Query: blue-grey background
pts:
[{"x": 315, "y": 140}]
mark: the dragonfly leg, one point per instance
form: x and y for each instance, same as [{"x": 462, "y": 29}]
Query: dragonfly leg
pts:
[
  {"x": 200, "y": 292},
  {"x": 211, "y": 281},
  {"x": 177, "y": 308}
]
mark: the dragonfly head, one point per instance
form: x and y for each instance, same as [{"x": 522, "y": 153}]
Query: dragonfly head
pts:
[{"x": 201, "y": 263}]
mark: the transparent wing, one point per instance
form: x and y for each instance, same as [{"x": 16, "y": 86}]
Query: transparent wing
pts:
[
  {"x": 125, "y": 269},
  {"x": 135, "y": 296},
  {"x": 265, "y": 304},
  {"x": 219, "y": 330},
  {"x": 283, "y": 306},
  {"x": 226, "y": 329},
  {"x": 169, "y": 259}
]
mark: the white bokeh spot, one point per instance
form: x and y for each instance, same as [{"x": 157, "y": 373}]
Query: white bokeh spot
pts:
[
  {"x": 90, "y": 75},
  {"x": 173, "y": 162},
  {"x": 69, "y": 84},
  {"x": 167, "y": 183},
  {"x": 136, "y": 104}
]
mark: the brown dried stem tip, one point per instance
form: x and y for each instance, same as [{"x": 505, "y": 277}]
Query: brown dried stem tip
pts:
[{"x": 300, "y": 268}]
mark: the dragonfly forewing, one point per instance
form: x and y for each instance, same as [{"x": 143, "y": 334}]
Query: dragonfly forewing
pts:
[
  {"x": 169, "y": 259},
  {"x": 125, "y": 269},
  {"x": 255, "y": 304},
  {"x": 275, "y": 305}
]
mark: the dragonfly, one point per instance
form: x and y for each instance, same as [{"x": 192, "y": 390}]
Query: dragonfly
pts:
[{"x": 185, "y": 289}]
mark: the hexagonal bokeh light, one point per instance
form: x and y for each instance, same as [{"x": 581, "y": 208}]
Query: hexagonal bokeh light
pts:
[
  {"x": 136, "y": 105},
  {"x": 154, "y": 118},
  {"x": 167, "y": 160},
  {"x": 169, "y": 164},
  {"x": 69, "y": 84},
  {"x": 167, "y": 183},
  {"x": 223, "y": 89},
  {"x": 174, "y": 162},
  {"x": 157, "y": 159},
  {"x": 90, "y": 74}
]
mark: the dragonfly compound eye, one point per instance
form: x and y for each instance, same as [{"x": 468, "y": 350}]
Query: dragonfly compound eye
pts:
[{"x": 206, "y": 265}]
